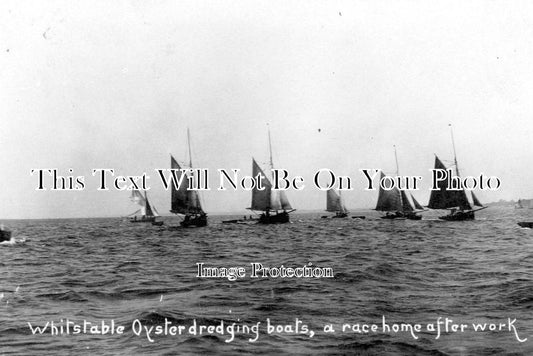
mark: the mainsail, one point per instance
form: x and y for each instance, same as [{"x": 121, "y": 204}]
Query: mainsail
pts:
[
  {"x": 389, "y": 200},
  {"x": 444, "y": 198},
  {"x": 142, "y": 201},
  {"x": 183, "y": 201},
  {"x": 335, "y": 202},
  {"x": 406, "y": 205},
  {"x": 267, "y": 199}
]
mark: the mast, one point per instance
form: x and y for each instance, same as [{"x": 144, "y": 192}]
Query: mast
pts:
[
  {"x": 454, "y": 154},
  {"x": 398, "y": 174},
  {"x": 270, "y": 148},
  {"x": 271, "y": 167},
  {"x": 396, "y": 157},
  {"x": 189, "y": 144}
]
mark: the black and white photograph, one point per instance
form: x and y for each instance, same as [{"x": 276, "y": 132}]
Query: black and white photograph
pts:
[{"x": 266, "y": 177}]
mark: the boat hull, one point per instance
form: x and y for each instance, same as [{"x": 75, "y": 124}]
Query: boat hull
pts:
[
  {"x": 459, "y": 216},
  {"x": 5, "y": 235},
  {"x": 413, "y": 217},
  {"x": 402, "y": 216},
  {"x": 279, "y": 218},
  {"x": 528, "y": 224},
  {"x": 143, "y": 219},
  {"x": 337, "y": 216},
  {"x": 194, "y": 221}
]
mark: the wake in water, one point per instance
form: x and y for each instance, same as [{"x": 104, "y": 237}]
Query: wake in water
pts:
[{"x": 13, "y": 241}]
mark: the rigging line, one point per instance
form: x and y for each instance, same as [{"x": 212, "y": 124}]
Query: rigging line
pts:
[{"x": 454, "y": 153}]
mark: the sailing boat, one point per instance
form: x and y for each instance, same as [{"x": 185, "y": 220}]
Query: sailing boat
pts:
[
  {"x": 455, "y": 200},
  {"x": 185, "y": 201},
  {"x": 273, "y": 203},
  {"x": 335, "y": 204},
  {"x": 148, "y": 212},
  {"x": 395, "y": 202}
]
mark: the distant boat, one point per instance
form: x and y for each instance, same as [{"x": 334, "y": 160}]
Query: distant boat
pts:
[
  {"x": 147, "y": 212},
  {"x": 5, "y": 235},
  {"x": 273, "y": 203},
  {"x": 185, "y": 201},
  {"x": 524, "y": 204},
  {"x": 335, "y": 204},
  {"x": 454, "y": 200},
  {"x": 528, "y": 224},
  {"x": 395, "y": 202}
]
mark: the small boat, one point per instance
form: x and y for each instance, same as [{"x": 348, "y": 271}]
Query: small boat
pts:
[
  {"x": 232, "y": 221},
  {"x": 274, "y": 204},
  {"x": 186, "y": 201},
  {"x": 524, "y": 204},
  {"x": 5, "y": 235},
  {"x": 244, "y": 220},
  {"x": 395, "y": 203},
  {"x": 335, "y": 204},
  {"x": 454, "y": 200},
  {"x": 528, "y": 224},
  {"x": 148, "y": 213}
]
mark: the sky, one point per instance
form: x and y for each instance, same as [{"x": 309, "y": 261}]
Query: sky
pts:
[{"x": 99, "y": 84}]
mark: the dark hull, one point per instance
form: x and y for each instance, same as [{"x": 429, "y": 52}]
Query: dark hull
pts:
[
  {"x": 338, "y": 216},
  {"x": 402, "y": 216},
  {"x": 459, "y": 216},
  {"x": 240, "y": 221},
  {"x": 5, "y": 235},
  {"x": 143, "y": 219},
  {"x": 413, "y": 217},
  {"x": 528, "y": 224},
  {"x": 396, "y": 215},
  {"x": 280, "y": 218},
  {"x": 194, "y": 221}
]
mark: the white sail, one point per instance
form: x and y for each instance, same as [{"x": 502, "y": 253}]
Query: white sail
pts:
[
  {"x": 142, "y": 200},
  {"x": 137, "y": 197},
  {"x": 335, "y": 202},
  {"x": 285, "y": 205}
]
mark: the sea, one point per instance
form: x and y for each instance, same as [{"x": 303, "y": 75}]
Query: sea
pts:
[{"x": 399, "y": 287}]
